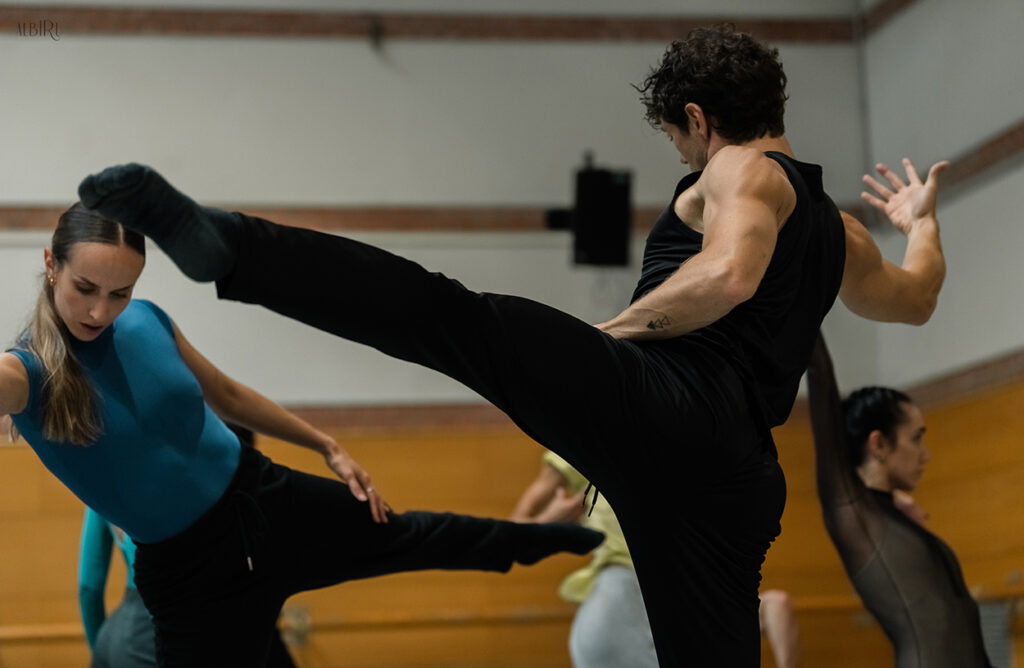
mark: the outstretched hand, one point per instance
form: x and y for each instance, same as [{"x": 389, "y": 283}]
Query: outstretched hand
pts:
[
  {"x": 358, "y": 481},
  {"x": 905, "y": 203},
  {"x": 563, "y": 507},
  {"x": 906, "y": 503}
]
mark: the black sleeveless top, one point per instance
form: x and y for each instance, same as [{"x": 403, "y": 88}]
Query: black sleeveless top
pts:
[{"x": 768, "y": 338}]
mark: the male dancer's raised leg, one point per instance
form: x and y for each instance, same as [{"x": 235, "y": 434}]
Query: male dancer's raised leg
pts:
[
  {"x": 200, "y": 240},
  {"x": 563, "y": 381}
]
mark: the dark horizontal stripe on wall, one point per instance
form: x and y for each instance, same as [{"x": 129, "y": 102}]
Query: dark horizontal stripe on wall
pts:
[
  {"x": 361, "y": 219},
  {"x": 941, "y": 391},
  {"x": 970, "y": 381},
  {"x": 883, "y": 12},
  {"x": 85, "y": 20},
  {"x": 412, "y": 417},
  {"x": 377, "y": 219},
  {"x": 956, "y": 386},
  {"x": 986, "y": 156},
  {"x": 396, "y": 25},
  {"x": 409, "y": 219},
  {"x": 356, "y": 621}
]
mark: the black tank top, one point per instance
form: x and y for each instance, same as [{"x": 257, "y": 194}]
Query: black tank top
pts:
[{"x": 768, "y": 338}]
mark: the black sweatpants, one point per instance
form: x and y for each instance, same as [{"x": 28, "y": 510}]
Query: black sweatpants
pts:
[
  {"x": 215, "y": 591},
  {"x": 663, "y": 429}
]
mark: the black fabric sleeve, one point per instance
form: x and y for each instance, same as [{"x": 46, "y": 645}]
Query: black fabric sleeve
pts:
[{"x": 853, "y": 518}]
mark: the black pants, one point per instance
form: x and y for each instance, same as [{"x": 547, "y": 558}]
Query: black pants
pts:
[
  {"x": 663, "y": 429},
  {"x": 127, "y": 639},
  {"x": 215, "y": 590}
]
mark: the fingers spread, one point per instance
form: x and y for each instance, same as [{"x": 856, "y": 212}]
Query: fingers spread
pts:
[
  {"x": 911, "y": 171},
  {"x": 873, "y": 201},
  {"x": 936, "y": 171},
  {"x": 879, "y": 188},
  {"x": 890, "y": 176}
]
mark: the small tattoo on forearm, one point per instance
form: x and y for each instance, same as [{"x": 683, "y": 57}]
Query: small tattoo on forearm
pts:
[{"x": 660, "y": 323}]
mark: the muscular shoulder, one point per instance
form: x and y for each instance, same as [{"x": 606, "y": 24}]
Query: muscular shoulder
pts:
[
  {"x": 745, "y": 172},
  {"x": 861, "y": 252}
]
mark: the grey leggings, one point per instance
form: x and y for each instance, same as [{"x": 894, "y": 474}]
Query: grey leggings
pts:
[
  {"x": 126, "y": 639},
  {"x": 610, "y": 629}
]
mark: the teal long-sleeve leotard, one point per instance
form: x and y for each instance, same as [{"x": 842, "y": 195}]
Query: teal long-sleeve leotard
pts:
[
  {"x": 163, "y": 457},
  {"x": 95, "y": 549}
]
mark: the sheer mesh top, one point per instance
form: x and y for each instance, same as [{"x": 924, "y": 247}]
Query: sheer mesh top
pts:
[{"x": 907, "y": 577}]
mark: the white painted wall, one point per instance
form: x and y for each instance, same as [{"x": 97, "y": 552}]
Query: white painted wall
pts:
[
  {"x": 331, "y": 122},
  {"x": 261, "y": 121},
  {"x": 298, "y": 365},
  {"x": 942, "y": 77},
  {"x": 822, "y": 8}
]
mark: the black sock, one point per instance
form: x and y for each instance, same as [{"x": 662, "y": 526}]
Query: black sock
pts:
[
  {"x": 202, "y": 241},
  {"x": 545, "y": 539}
]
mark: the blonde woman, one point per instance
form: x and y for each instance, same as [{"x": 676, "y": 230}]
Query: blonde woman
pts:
[{"x": 127, "y": 414}]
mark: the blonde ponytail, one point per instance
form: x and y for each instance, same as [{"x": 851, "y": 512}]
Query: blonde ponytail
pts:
[
  {"x": 70, "y": 410},
  {"x": 70, "y": 403}
]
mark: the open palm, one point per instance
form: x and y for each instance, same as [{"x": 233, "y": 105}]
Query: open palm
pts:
[{"x": 907, "y": 202}]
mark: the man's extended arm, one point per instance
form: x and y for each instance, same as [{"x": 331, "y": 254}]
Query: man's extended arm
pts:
[
  {"x": 878, "y": 289},
  {"x": 747, "y": 198}
]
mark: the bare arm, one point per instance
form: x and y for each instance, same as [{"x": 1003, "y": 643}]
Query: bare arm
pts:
[
  {"x": 877, "y": 289},
  {"x": 13, "y": 385},
  {"x": 243, "y": 405},
  {"x": 747, "y": 198},
  {"x": 779, "y": 625},
  {"x": 546, "y": 500}
]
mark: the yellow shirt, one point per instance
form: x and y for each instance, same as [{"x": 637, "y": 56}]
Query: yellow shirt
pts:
[{"x": 576, "y": 587}]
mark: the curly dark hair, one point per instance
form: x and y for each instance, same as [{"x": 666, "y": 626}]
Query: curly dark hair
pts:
[
  {"x": 868, "y": 409},
  {"x": 735, "y": 79}
]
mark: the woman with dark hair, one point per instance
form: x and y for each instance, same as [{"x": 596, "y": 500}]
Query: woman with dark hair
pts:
[
  {"x": 868, "y": 448},
  {"x": 127, "y": 414}
]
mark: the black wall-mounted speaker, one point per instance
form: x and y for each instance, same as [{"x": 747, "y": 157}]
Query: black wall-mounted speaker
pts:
[{"x": 601, "y": 217}]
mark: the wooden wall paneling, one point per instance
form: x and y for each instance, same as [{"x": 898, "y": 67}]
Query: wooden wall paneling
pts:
[
  {"x": 39, "y": 520},
  {"x": 420, "y": 617},
  {"x": 837, "y": 638},
  {"x": 802, "y": 559},
  {"x": 974, "y": 486},
  {"x": 50, "y": 654},
  {"x": 455, "y": 646},
  {"x": 972, "y": 489}
]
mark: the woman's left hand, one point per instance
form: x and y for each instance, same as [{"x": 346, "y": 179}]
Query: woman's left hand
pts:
[{"x": 358, "y": 481}]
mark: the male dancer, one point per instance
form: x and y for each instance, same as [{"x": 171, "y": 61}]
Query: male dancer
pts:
[{"x": 738, "y": 273}]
